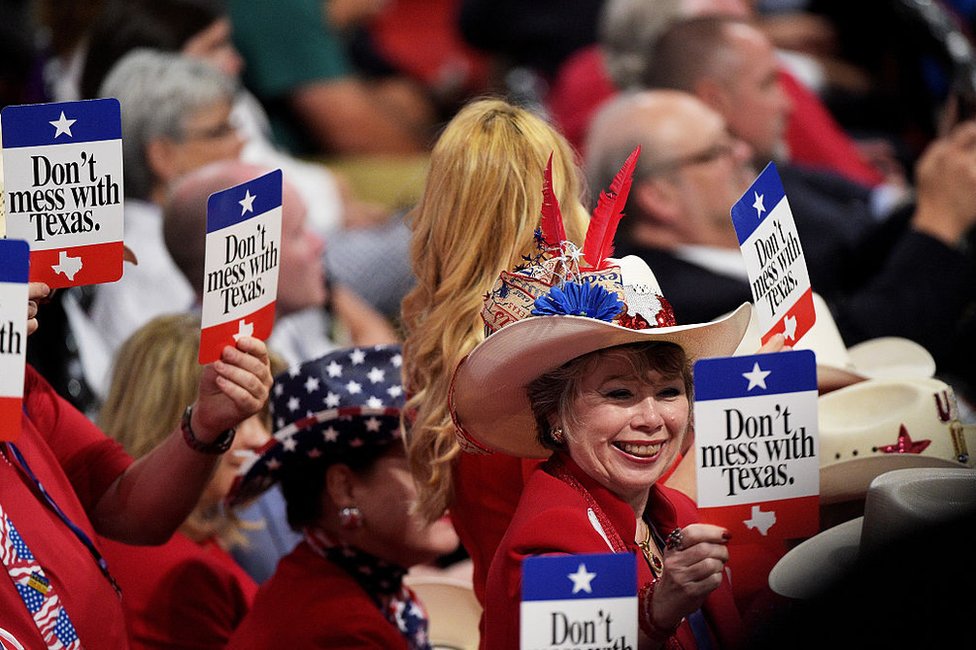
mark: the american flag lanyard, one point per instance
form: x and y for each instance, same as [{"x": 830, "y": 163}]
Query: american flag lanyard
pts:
[
  {"x": 36, "y": 590},
  {"x": 34, "y": 587}
]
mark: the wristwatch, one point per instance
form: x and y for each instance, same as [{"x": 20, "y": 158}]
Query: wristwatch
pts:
[{"x": 221, "y": 444}]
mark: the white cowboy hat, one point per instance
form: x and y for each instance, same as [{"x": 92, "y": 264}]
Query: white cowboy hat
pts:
[
  {"x": 488, "y": 401},
  {"x": 887, "y": 357},
  {"x": 897, "y": 503},
  {"x": 880, "y": 425}
]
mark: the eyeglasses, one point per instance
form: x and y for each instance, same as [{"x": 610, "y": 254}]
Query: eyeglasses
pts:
[
  {"x": 221, "y": 130},
  {"x": 714, "y": 152}
]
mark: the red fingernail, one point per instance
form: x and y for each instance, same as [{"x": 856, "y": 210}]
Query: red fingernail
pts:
[{"x": 726, "y": 536}]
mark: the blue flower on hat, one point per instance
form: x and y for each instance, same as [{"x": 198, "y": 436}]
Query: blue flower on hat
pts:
[{"x": 579, "y": 299}]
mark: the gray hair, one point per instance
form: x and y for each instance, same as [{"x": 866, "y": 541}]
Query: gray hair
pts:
[
  {"x": 628, "y": 30},
  {"x": 157, "y": 91}
]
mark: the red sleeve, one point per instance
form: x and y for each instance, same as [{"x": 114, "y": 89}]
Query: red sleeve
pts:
[{"x": 90, "y": 459}]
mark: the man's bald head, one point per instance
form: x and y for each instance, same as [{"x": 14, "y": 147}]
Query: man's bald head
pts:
[
  {"x": 301, "y": 279},
  {"x": 185, "y": 213},
  {"x": 690, "y": 173},
  {"x": 657, "y": 120}
]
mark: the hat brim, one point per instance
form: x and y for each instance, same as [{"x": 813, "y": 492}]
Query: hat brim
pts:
[
  {"x": 488, "y": 399},
  {"x": 816, "y": 563},
  {"x": 265, "y": 466},
  {"x": 849, "y": 480},
  {"x": 892, "y": 357}
]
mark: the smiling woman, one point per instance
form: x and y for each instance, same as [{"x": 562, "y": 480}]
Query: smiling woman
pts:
[{"x": 586, "y": 365}]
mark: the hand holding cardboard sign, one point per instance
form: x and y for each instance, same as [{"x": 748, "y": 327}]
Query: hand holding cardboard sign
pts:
[{"x": 232, "y": 388}]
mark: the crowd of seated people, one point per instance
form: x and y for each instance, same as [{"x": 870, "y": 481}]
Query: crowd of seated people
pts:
[{"x": 395, "y": 422}]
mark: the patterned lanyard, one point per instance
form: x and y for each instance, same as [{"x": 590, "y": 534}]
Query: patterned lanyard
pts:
[
  {"x": 35, "y": 589},
  {"x": 78, "y": 532},
  {"x": 382, "y": 581}
]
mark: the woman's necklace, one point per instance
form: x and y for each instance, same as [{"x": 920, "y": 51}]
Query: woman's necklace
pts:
[{"x": 653, "y": 559}]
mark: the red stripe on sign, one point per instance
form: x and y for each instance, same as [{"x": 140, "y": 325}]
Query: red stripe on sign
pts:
[
  {"x": 754, "y": 523},
  {"x": 804, "y": 314},
  {"x": 78, "y": 265},
  {"x": 213, "y": 339},
  {"x": 10, "y": 414}
]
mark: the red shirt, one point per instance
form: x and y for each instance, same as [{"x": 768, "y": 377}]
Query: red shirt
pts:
[
  {"x": 181, "y": 594},
  {"x": 76, "y": 463}
]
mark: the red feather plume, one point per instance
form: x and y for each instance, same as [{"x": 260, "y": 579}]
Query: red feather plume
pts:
[
  {"x": 598, "y": 245},
  {"x": 552, "y": 219}
]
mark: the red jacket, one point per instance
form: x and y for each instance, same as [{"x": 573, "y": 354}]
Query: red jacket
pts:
[
  {"x": 310, "y": 602},
  {"x": 76, "y": 463},
  {"x": 180, "y": 595},
  {"x": 552, "y": 518}
]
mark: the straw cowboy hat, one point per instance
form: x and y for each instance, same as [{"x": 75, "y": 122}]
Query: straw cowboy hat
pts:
[
  {"x": 563, "y": 303},
  {"x": 879, "y": 425},
  {"x": 898, "y": 503},
  {"x": 887, "y": 357}
]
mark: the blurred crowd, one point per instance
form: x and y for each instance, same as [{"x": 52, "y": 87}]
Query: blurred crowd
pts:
[{"x": 867, "y": 109}]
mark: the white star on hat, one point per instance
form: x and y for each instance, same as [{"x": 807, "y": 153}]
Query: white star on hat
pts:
[
  {"x": 373, "y": 425},
  {"x": 334, "y": 369},
  {"x": 312, "y": 384},
  {"x": 376, "y": 375},
  {"x": 354, "y": 388},
  {"x": 332, "y": 400},
  {"x": 357, "y": 356}
]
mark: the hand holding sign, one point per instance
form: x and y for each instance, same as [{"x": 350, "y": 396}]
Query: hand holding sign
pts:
[
  {"x": 232, "y": 389},
  {"x": 774, "y": 258},
  {"x": 240, "y": 282}
]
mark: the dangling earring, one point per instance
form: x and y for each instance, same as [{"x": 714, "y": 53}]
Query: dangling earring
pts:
[
  {"x": 557, "y": 435},
  {"x": 350, "y": 518}
]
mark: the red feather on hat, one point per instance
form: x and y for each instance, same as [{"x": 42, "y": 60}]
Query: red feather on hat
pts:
[
  {"x": 598, "y": 245},
  {"x": 552, "y": 219}
]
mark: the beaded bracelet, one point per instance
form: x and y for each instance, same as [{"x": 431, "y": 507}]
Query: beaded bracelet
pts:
[
  {"x": 658, "y": 635},
  {"x": 221, "y": 444}
]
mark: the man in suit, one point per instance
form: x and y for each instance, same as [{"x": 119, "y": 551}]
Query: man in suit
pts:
[{"x": 914, "y": 281}]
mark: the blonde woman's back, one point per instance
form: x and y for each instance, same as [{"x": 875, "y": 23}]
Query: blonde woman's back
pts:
[{"x": 478, "y": 215}]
